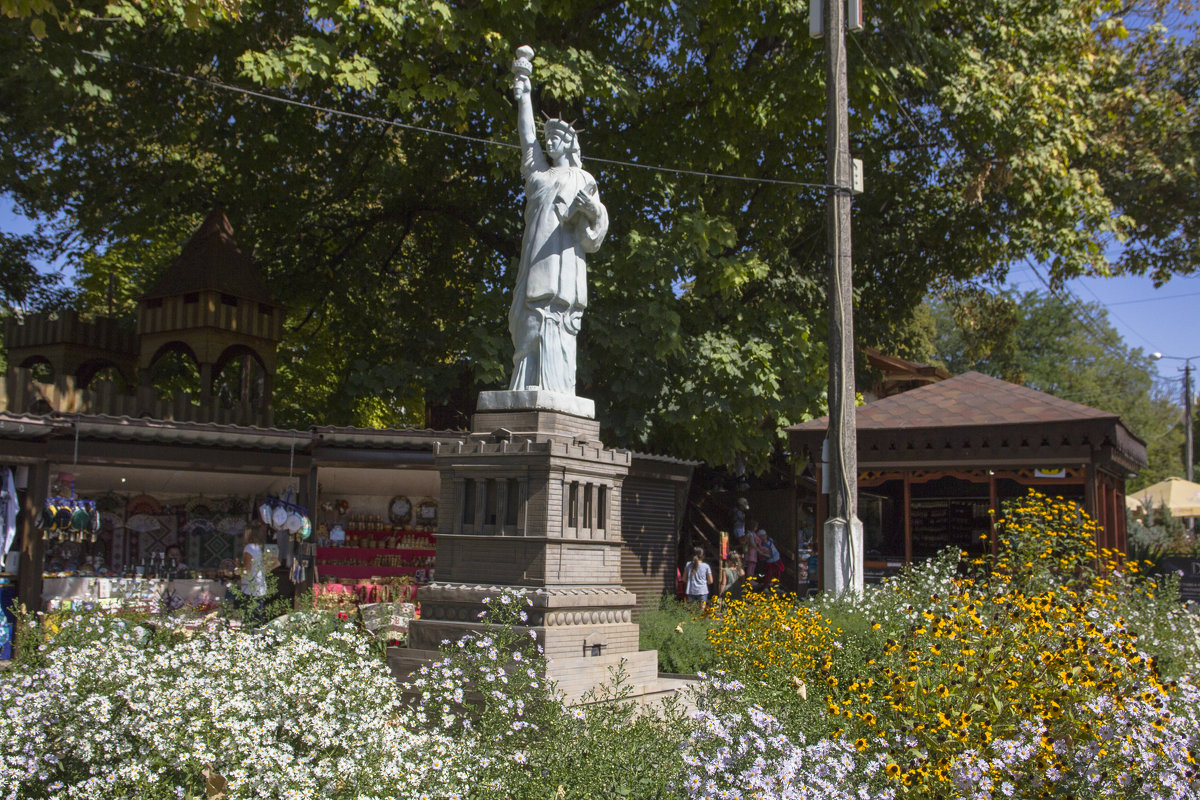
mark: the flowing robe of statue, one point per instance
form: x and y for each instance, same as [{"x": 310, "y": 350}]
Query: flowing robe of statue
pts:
[{"x": 564, "y": 220}]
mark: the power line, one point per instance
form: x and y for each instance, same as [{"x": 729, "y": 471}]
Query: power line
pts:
[
  {"x": 888, "y": 84},
  {"x": 1152, "y": 299},
  {"x": 1132, "y": 330},
  {"x": 1088, "y": 322},
  {"x": 431, "y": 131}
]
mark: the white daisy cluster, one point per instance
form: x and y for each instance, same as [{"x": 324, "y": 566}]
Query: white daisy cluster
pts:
[{"x": 271, "y": 714}]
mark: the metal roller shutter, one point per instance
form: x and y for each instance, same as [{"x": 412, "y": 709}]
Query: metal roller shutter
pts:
[{"x": 649, "y": 526}]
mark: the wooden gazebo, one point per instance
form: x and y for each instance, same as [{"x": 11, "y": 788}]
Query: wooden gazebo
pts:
[{"x": 935, "y": 460}]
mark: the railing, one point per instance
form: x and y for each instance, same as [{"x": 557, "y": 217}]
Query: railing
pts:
[{"x": 20, "y": 394}]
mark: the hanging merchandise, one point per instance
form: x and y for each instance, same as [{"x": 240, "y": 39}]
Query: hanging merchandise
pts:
[
  {"x": 231, "y": 525},
  {"x": 284, "y": 515},
  {"x": 198, "y": 526},
  {"x": 8, "y": 510},
  {"x": 142, "y": 523},
  {"x": 298, "y": 571},
  {"x": 69, "y": 519}
]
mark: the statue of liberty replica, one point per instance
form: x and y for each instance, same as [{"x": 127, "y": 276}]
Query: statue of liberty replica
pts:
[
  {"x": 564, "y": 221},
  {"x": 531, "y": 499}
]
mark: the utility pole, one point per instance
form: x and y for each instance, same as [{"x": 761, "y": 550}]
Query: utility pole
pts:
[
  {"x": 1187, "y": 418},
  {"x": 842, "y": 542}
]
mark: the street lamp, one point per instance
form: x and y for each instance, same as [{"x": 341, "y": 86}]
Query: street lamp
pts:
[{"x": 1187, "y": 407}]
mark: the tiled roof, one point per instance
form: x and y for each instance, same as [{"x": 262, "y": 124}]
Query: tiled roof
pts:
[
  {"x": 212, "y": 260},
  {"x": 968, "y": 400}
]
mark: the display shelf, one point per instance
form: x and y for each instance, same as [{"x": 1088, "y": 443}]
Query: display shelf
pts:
[
  {"x": 384, "y": 533},
  {"x": 368, "y": 553},
  {"x": 364, "y": 571},
  {"x": 416, "y": 540}
]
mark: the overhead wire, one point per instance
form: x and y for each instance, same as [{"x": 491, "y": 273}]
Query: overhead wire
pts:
[
  {"x": 1089, "y": 322},
  {"x": 887, "y": 83},
  {"x": 1131, "y": 329},
  {"x": 1152, "y": 299},
  {"x": 391, "y": 123}
]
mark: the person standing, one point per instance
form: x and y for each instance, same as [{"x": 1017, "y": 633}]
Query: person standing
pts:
[
  {"x": 731, "y": 573},
  {"x": 253, "y": 583},
  {"x": 739, "y": 518},
  {"x": 753, "y": 548},
  {"x": 699, "y": 577},
  {"x": 774, "y": 559}
]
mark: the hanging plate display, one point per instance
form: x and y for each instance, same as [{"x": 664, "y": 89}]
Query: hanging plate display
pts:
[
  {"x": 279, "y": 517},
  {"x": 294, "y": 522},
  {"x": 306, "y": 528},
  {"x": 400, "y": 510},
  {"x": 264, "y": 513},
  {"x": 427, "y": 511}
]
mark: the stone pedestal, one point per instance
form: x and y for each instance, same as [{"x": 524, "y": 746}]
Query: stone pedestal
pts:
[
  {"x": 531, "y": 501},
  {"x": 531, "y": 399}
]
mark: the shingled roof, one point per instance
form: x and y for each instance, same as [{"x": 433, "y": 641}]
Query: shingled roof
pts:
[
  {"x": 971, "y": 399},
  {"x": 976, "y": 416},
  {"x": 212, "y": 260}
]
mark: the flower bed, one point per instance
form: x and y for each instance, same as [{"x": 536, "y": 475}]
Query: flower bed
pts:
[{"x": 1052, "y": 670}]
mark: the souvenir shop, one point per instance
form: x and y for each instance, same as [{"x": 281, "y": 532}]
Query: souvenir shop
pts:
[{"x": 115, "y": 508}]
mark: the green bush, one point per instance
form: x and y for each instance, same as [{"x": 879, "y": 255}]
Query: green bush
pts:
[{"x": 679, "y": 636}]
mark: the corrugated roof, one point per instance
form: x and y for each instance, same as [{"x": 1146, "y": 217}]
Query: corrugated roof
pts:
[
  {"x": 386, "y": 438},
  {"x": 212, "y": 260},
  {"x": 25, "y": 426},
  {"x": 140, "y": 429},
  {"x": 684, "y": 462},
  {"x": 968, "y": 400},
  {"x": 98, "y": 426}
]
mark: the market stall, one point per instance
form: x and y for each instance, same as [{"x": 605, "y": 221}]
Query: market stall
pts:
[
  {"x": 169, "y": 501},
  {"x": 936, "y": 463},
  {"x": 376, "y": 537}
]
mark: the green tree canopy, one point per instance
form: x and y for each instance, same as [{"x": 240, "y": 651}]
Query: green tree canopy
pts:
[
  {"x": 992, "y": 131},
  {"x": 1067, "y": 348}
]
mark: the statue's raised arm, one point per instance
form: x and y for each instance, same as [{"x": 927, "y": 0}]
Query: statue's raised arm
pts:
[
  {"x": 564, "y": 220},
  {"x": 531, "y": 151}
]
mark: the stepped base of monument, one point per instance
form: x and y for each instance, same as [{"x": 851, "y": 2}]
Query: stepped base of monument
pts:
[{"x": 575, "y": 676}]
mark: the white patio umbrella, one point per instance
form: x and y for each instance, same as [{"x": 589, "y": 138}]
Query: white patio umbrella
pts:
[{"x": 1180, "y": 497}]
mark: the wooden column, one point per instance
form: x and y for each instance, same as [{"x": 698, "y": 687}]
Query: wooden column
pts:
[
  {"x": 907, "y": 517},
  {"x": 819, "y": 526},
  {"x": 1122, "y": 542},
  {"x": 993, "y": 504},
  {"x": 1116, "y": 515},
  {"x": 33, "y": 546},
  {"x": 1090, "y": 480}
]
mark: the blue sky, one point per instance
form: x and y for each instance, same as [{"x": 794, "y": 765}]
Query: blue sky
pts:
[{"x": 1162, "y": 320}]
